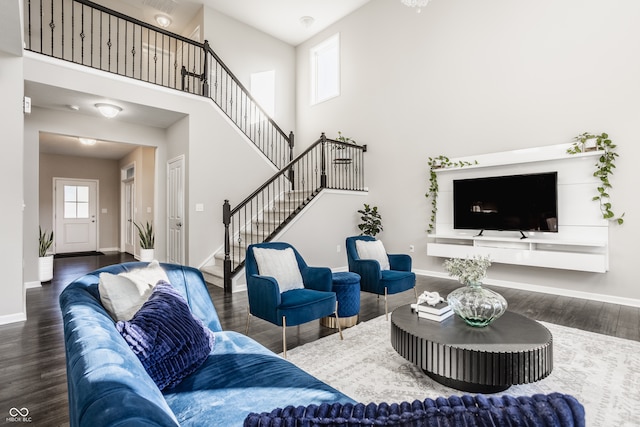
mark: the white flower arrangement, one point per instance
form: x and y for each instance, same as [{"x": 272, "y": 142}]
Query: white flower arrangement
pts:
[{"x": 468, "y": 270}]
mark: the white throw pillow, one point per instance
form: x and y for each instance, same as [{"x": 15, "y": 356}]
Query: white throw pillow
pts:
[
  {"x": 123, "y": 294},
  {"x": 281, "y": 264},
  {"x": 147, "y": 276},
  {"x": 373, "y": 249}
]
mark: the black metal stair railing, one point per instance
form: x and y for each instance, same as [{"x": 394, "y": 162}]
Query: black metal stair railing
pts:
[
  {"x": 92, "y": 35},
  {"x": 263, "y": 214}
]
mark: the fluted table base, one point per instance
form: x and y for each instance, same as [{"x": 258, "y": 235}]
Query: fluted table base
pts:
[{"x": 512, "y": 350}]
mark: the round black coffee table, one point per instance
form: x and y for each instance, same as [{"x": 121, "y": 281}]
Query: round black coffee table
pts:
[{"x": 512, "y": 350}]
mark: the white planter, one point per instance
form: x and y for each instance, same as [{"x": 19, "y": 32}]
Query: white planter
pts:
[
  {"x": 45, "y": 268},
  {"x": 146, "y": 255}
]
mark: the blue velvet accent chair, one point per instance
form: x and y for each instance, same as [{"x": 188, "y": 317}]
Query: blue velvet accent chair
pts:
[
  {"x": 293, "y": 307},
  {"x": 398, "y": 278}
]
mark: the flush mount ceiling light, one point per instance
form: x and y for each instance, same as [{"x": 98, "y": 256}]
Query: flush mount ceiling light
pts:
[
  {"x": 163, "y": 20},
  {"x": 108, "y": 110},
  {"x": 87, "y": 141},
  {"x": 415, "y": 3},
  {"x": 307, "y": 21}
]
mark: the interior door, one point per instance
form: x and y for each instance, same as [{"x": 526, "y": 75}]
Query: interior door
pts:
[
  {"x": 129, "y": 205},
  {"x": 175, "y": 210},
  {"x": 76, "y": 205}
]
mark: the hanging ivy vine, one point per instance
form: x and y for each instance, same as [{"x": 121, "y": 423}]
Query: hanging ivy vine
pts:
[
  {"x": 439, "y": 162},
  {"x": 604, "y": 168}
]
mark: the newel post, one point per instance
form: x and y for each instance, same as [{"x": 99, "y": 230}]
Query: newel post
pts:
[
  {"x": 226, "y": 220},
  {"x": 323, "y": 161},
  {"x": 292, "y": 173},
  {"x": 205, "y": 70}
]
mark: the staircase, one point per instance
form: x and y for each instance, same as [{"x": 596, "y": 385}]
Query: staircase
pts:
[
  {"x": 92, "y": 35},
  {"x": 267, "y": 224}
]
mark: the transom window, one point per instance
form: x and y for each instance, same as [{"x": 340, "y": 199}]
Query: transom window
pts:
[{"x": 76, "y": 201}]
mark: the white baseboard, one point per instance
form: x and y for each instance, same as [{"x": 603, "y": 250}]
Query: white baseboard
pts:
[
  {"x": 13, "y": 318},
  {"x": 34, "y": 284},
  {"x": 612, "y": 299}
]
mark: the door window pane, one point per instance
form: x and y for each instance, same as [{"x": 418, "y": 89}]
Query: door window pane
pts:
[{"x": 76, "y": 201}]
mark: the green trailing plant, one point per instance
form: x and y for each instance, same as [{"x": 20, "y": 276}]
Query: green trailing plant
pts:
[
  {"x": 468, "y": 270},
  {"x": 604, "y": 169},
  {"x": 371, "y": 221},
  {"x": 45, "y": 242},
  {"x": 147, "y": 238},
  {"x": 344, "y": 139},
  {"x": 435, "y": 163}
]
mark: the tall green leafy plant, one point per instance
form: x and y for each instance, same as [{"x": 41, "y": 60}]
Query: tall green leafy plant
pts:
[
  {"x": 147, "y": 237},
  {"x": 604, "y": 169},
  {"x": 371, "y": 221},
  {"x": 45, "y": 242},
  {"x": 435, "y": 163}
]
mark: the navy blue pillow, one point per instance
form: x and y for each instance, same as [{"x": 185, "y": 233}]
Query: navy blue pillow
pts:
[{"x": 169, "y": 341}]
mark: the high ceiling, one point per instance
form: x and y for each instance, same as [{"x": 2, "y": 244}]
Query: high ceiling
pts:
[{"x": 278, "y": 18}]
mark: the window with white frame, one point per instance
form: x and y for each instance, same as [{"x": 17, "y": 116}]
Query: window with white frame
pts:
[
  {"x": 263, "y": 90},
  {"x": 325, "y": 70}
]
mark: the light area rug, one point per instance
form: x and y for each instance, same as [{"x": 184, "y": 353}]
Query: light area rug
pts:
[{"x": 602, "y": 372}]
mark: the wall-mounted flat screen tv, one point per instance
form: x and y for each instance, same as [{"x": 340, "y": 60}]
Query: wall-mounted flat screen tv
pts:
[{"x": 509, "y": 203}]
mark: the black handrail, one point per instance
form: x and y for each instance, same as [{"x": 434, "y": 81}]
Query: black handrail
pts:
[
  {"x": 93, "y": 35},
  {"x": 327, "y": 163}
]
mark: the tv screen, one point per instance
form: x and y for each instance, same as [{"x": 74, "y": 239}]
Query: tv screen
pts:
[{"x": 510, "y": 203}]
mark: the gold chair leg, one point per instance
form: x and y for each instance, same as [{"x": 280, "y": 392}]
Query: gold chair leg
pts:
[
  {"x": 415, "y": 291},
  {"x": 246, "y": 331},
  {"x": 338, "y": 322},
  {"x": 386, "y": 310},
  {"x": 284, "y": 337}
]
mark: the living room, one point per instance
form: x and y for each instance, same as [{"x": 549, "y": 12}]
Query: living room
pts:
[
  {"x": 462, "y": 79},
  {"x": 542, "y": 62}
]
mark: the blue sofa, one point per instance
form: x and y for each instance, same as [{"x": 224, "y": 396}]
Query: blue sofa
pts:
[
  {"x": 241, "y": 382},
  {"x": 108, "y": 385}
]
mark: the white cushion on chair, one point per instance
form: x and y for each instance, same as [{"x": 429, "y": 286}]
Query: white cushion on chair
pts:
[
  {"x": 373, "y": 249},
  {"x": 281, "y": 264}
]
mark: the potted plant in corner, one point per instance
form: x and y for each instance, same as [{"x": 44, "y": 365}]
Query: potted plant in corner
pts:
[
  {"x": 371, "y": 221},
  {"x": 147, "y": 241},
  {"x": 45, "y": 261}
]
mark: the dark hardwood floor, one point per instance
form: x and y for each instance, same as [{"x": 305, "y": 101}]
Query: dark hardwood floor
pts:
[{"x": 33, "y": 374}]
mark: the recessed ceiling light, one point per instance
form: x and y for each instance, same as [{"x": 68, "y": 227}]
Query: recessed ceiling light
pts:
[
  {"x": 108, "y": 110},
  {"x": 74, "y": 107},
  {"x": 163, "y": 20},
  {"x": 87, "y": 141}
]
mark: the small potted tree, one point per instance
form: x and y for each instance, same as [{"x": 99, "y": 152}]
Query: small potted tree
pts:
[
  {"x": 147, "y": 241},
  {"x": 371, "y": 221},
  {"x": 45, "y": 260}
]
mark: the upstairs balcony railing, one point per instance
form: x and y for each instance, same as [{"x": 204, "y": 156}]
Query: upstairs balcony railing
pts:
[
  {"x": 327, "y": 164},
  {"x": 89, "y": 34}
]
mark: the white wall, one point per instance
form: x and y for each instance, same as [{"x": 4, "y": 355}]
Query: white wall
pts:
[
  {"x": 465, "y": 78},
  {"x": 12, "y": 303},
  {"x": 246, "y": 50}
]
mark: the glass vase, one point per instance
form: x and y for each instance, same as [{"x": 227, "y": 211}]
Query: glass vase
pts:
[{"x": 476, "y": 305}]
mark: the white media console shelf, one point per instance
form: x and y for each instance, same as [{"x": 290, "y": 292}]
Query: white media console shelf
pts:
[
  {"x": 535, "y": 252},
  {"x": 582, "y": 240}
]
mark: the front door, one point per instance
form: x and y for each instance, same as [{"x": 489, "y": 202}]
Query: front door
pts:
[{"x": 76, "y": 205}]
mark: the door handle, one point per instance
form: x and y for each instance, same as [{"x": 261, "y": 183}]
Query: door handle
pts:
[{"x": 179, "y": 224}]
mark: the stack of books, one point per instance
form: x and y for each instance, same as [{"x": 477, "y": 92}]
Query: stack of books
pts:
[{"x": 437, "y": 312}]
